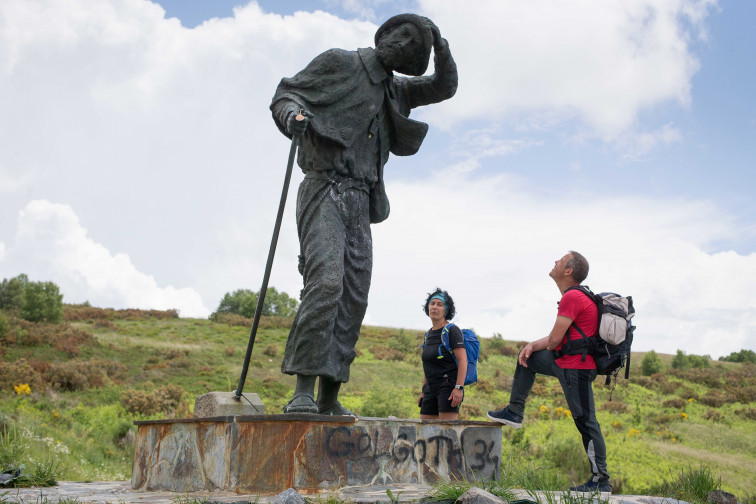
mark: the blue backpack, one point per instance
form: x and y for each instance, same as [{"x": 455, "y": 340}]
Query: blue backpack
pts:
[{"x": 472, "y": 347}]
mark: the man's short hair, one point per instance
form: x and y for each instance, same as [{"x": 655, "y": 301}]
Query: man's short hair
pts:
[{"x": 579, "y": 265}]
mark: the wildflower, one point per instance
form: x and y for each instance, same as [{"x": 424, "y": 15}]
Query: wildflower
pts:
[
  {"x": 567, "y": 413},
  {"x": 690, "y": 399},
  {"x": 633, "y": 432},
  {"x": 22, "y": 389},
  {"x": 683, "y": 415},
  {"x": 544, "y": 408},
  {"x": 55, "y": 414}
]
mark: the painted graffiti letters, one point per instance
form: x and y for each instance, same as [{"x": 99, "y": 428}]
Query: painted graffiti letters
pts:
[{"x": 445, "y": 451}]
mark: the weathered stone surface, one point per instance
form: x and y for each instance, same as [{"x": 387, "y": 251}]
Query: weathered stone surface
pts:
[
  {"x": 98, "y": 492},
  {"x": 288, "y": 496},
  {"x": 477, "y": 495},
  {"x": 269, "y": 453},
  {"x": 223, "y": 404},
  {"x": 721, "y": 497}
]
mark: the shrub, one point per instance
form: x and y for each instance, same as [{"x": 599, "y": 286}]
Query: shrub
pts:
[
  {"x": 614, "y": 407},
  {"x": 12, "y": 292},
  {"x": 744, "y": 395},
  {"x": 504, "y": 382},
  {"x": 81, "y": 375},
  {"x": 741, "y": 356},
  {"x": 271, "y": 351},
  {"x": 675, "y": 403},
  {"x": 713, "y": 415},
  {"x": 274, "y": 388},
  {"x": 244, "y": 302},
  {"x": 509, "y": 351},
  {"x": 710, "y": 377},
  {"x": 713, "y": 398},
  {"x": 651, "y": 364},
  {"x": 681, "y": 361},
  {"x": 748, "y": 413},
  {"x": 385, "y": 353},
  {"x": 691, "y": 485},
  {"x": 42, "y": 301},
  {"x": 485, "y": 386},
  {"x": 164, "y": 399},
  {"x": 403, "y": 342},
  {"x": 17, "y": 373},
  {"x": 495, "y": 344},
  {"x": 382, "y": 402},
  {"x": 231, "y": 319},
  {"x": 467, "y": 412},
  {"x": 81, "y": 312},
  {"x": 539, "y": 389},
  {"x": 138, "y": 401}
]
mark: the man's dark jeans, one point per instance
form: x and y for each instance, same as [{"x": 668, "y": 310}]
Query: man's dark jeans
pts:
[{"x": 577, "y": 385}]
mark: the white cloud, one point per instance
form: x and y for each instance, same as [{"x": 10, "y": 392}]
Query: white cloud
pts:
[
  {"x": 160, "y": 137},
  {"x": 491, "y": 243},
  {"x": 601, "y": 61},
  {"x": 52, "y": 245}
]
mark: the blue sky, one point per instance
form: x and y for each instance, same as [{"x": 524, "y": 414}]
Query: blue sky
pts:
[{"x": 139, "y": 166}]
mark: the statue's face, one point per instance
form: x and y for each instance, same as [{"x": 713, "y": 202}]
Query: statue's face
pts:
[{"x": 400, "y": 46}]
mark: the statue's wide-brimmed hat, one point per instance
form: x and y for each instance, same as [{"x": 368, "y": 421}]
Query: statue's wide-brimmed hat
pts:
[{"x": 423, "y": 24}]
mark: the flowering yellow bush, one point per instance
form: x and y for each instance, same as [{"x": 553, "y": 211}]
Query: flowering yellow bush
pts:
[{"x": 22, "y": 389}]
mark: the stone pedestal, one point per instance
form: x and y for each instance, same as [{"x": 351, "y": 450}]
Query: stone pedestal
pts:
[
  {"x": 270, "y": 453},
  {"x": 217, "y": 404}
]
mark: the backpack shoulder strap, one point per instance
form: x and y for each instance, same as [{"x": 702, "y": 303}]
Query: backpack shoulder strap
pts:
[
  {"x": 582, "y": 346},
  {"x": 445, "y": 342}
]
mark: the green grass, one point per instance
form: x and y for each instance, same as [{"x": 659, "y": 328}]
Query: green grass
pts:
[{"x": 87, "y": 434}]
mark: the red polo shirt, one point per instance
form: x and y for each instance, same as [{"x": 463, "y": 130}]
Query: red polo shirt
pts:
[{"x": 584, "y": 313}]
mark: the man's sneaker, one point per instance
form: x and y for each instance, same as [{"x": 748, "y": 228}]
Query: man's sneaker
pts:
[
  {"x": 506, "y": 417},
  {"x": 593, "y": 486}
]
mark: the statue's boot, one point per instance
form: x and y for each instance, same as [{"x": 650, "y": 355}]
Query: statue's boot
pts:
[
  {"x": 303, "y": 403},
  {"x": 328, "y": 393},
  {"x": 304, "y": 397}
]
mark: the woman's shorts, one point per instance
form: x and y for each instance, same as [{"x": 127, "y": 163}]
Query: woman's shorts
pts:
[{"x": 436, "y": 396}]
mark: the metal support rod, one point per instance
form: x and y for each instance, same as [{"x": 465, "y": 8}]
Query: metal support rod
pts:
[{"x": 269, "y": 265}]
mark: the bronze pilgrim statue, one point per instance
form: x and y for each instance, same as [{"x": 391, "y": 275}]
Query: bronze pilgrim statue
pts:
[{"x": 358, "y": 112}]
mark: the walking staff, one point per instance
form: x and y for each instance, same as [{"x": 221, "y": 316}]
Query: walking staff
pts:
[{"x": 271, "y": 253}]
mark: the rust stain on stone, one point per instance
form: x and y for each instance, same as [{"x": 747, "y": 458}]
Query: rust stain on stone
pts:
[{"x": 268, "y": 454}]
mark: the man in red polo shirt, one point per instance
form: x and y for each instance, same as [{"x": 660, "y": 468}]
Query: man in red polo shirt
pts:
[{"x": 574, "y": 372}]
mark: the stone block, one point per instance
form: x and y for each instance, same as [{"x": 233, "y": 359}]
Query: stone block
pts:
[
  {"x": 267, "y": 454},
  {"x": 223, "y": 404},
  {"x": 477, "y": 495}
]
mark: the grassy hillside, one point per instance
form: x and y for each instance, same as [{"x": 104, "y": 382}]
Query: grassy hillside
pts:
[{"x": 92, "y": 376}]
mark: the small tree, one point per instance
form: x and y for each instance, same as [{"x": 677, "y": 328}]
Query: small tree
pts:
[
  {"x": 742, "y": 356},
  {"x": 681, "y": 361},
  {"x": 403, "y": 342},
  {"x": 244, "y": 302},
  {"x": 12, "y": 292},
  {"x": 651, "y": 364},
  {"x": 42, "y": 302}
]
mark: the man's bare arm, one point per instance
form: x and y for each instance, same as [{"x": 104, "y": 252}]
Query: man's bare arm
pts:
[{"x": 549, "y": 342}]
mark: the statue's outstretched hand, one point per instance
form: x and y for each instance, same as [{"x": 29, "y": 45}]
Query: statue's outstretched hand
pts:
[{"x": 297, "y": 123}]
